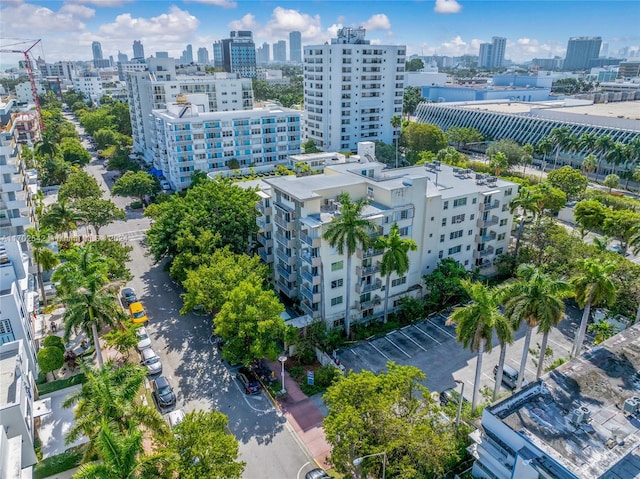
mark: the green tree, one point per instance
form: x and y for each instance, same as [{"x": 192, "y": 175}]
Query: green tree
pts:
[
  {"x": 569, "y": 180},
  {"x": 202, "y": 446},
  {"x": 44, "y": 257},
  {"x": 475, "y": 324},
  {"x": 560, "y": 137},
  {"x": 250, "y": 324},
  {"x": 396, "y": 122},
  {"x": 410, "y": 100},
  {"x": 590, "y": 214},
  {"x": 509, "y": 148},
  {"x": 414, "y": 65},
  {"x": 115, "y": 255},
  {"x": 549, "y": 198},
  {"x": 61, "y": 217},
  {"x": 122, "y": 337},
  {"x": 527, "y": 157},
  {"x": 392, "y": 412},
  {"x": 444, "y": 286},
  {"x": 138, "y": 185},
  {"x": 346, "y": 232},
  {"x": 98, "y": 212},
  {"x": 92, "y": 121},
  {"x": 535, "y": 299},
  {"x": 309, "y": 146},
  {"x": 499, "y": 163},
  {"x": 589, "y": 164},
  {"x": 593, "y": 285},
  {"x": 47, "y": 145},
  {"x": 105, "y": 137},
  {"x": 111, "y": 393},
  {"x": 73, "y": 152},
  {"x": 210, "y": 284},
  {"x": 395, "y": 259},
  {"x": 53, "y": 341},
  {"x": 420, "y": 137},
  {"x": 604, "y": 143},
  {"x": 611, "y": 181},
  {"x": 544, "y": 146},
  {"x": 49, "y": 359},
  {"x": 461, "y": 136},
  {"x": 121, "y": 456},
  {"x": 601, "y": 330},
  {"x": 79, "y": 185},
  {"x": 529, "y": 202},
  {"x": 621, "y": 225}
]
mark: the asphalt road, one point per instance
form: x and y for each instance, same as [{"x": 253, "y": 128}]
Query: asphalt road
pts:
[{"x": 201, "y": 380}]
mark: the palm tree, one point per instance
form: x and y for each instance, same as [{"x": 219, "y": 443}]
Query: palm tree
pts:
[
  {"x": 476, "y": 322},
  {"x": 603, "y": 144},
  {"x": 504, "y": 333},
  {"x": 589, "y": 164},
  {"x": 560, "y": 138},
  {"x": 47, "y": 145},
  {"x": 44, "y": 258},
  {"x": 616, "y": 155},
  {"x": 111, "y": 393},
  {"x": 544, "y": 146},
  {"x": 588, "y": 142},
  {"x": 527, "y": 157},
  {"x": 536, "y": 299},
  {"x": 395, "y": 258},
  {"x": 61, "y": 216},
  {"x": 593, "y": 285},
  {"x": 396, "y": 122},
  {"x": 347, "y": 231},
  {"x": 121, "y": 456},
  {"x": 529, "y": 203}
]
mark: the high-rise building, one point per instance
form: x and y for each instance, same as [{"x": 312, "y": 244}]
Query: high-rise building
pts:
[
  {"x": 492, "y": 54},
  {"x": 263, "y": 55},
  {"x": 187, "y": 55},
  {"x": 162, "y": 54},
  {"x": 295, "y": 47},
  {"x": 160, "y": 85},
  {"x": 580, "y": 52},
  {"x": 122, "y": 57},
  {"x": 96, "y": 49},
  {"x": 352, "y": 89},
  {"x": 203, "y": 56},
  {"x": 138, "y": 49},
  {"x": 280, "y": 51},
  {"x": 236, "y": 54}
]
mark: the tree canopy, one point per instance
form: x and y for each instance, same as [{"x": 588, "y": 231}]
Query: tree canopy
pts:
[
  {"x": 419, "y": 137},
  {"x": 137, "y": 184},
  {"x": 79, "y": 185},
  {"x": 569, "y": 180}
]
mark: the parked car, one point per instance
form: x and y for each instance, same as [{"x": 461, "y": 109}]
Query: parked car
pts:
[
  {"x": 163, "y": 392},
  {"x": 249, "y": 380},
  {"x": 152, "y": 361},
  {"x": 128, "y": 296},
  {"x": 165, "y": 185},
  {"x": 449, "y": 396},
  {"x": 509, "y": 376},
  {"x": 144, "y": 341},
  {"x": 317, "y": 473},
  {"x": 175, "y": 417},
  {"x": 138, "y": 314}
]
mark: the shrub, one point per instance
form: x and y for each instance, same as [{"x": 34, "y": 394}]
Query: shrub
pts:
[{"x": 53, "y": 341}]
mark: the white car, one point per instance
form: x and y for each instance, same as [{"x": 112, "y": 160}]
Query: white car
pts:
[
  {"x": 175, "y": 417},
  {"x": 165, "y": 185},
  {"x": 144, "y": 341},
  {"x": 152, "y": 361}
]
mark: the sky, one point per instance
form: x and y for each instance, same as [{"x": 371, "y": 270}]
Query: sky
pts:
[{"x": 533, "y": 28}]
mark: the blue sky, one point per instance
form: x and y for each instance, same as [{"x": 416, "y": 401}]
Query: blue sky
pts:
[{"x": 533, "y": 28}]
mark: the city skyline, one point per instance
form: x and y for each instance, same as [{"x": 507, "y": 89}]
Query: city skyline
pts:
[{"x": 443, "y": 27}]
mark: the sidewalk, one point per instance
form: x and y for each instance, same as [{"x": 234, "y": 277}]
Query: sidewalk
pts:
[{"x": 305, "y": 416}]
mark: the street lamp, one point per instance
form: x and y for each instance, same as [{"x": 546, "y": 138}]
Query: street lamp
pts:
[
  {"x": 358, "y": 460},
  {"x": 282, "y": 359},
  {"x": 459, "y": 403}
]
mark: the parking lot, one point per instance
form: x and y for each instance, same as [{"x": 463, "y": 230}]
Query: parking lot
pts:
[{"x": 431, "y": 346}]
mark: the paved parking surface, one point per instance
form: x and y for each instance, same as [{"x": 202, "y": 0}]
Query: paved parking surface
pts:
[{"x": 431, "y": 346}]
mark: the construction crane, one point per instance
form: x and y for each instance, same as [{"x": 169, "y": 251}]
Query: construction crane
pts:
[{"x": 29, "y": 68}]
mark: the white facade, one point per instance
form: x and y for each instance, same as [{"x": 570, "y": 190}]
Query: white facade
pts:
[
  {"x": 447, "y": 211},
  {"x": 423, "y": 78},
  {"x": 24, "y": 93},
  {"x": 160, "y": 85},
  {"x": 91, "y": 86},
  {"x": 351, "y": 91},
  {"x": 187, "y": 138}
]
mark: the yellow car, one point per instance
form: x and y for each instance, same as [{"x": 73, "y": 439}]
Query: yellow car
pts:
[{"x": 138, "y": 314}]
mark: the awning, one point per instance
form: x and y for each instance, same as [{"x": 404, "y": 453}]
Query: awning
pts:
[{"x": 155, "y": 172}]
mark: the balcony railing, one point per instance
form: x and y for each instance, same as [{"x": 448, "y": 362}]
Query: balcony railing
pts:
[
  {"x": 284, "y": 273},
  {"x": 489, "y": 222},
  {"x": 311, "y": 241},
  {"x": 367, "y": 270},
  {"x": 312, "y": 260},
  {"x": 283, "y": 240},
  {"x": 267, "y": 258},
  {"x": 487, "y": 237},
  {"x": 369, "y": 253},
  {"x": 366, "y": 287},
  {"x": 309, "y": 294},
  {"x": 489, "y": 206}
]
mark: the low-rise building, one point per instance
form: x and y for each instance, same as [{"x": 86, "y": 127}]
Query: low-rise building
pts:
[{"x": 580, "y": 421}]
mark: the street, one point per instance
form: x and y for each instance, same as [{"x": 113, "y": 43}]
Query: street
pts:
[{"x": 198, "y": 375}]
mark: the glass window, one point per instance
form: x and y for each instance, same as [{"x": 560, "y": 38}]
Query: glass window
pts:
[
  {"x": 336, "y": 301},
  {"x": 337, "y": 266},
  {"x": 337, "y": 283}
]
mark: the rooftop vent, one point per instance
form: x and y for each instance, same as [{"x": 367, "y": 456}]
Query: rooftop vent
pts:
[
  {"x": 631, "y": 405},
  {"x": 579, "y": 415}
]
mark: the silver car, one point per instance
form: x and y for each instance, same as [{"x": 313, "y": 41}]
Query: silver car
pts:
[
  {"x": 144, "y": 341},
  {"x": 152, "y": 361}
]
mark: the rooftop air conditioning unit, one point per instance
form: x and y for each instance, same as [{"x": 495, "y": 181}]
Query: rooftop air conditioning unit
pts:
[
  {"x": 579, "y": 415},
  {"x": 631, "y": 406}
]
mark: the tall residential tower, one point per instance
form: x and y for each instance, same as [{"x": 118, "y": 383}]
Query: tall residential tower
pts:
[
  {"x": 295, "y": 47},
  {"x": 580, "y": 52}
]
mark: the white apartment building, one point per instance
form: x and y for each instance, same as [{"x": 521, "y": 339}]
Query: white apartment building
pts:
[
  {"x": 90, "y": 85},
  {"x": 24, "y": 93},
  {"x": 17, "y": 411},
  {"x": 159, "y": 86},
  {"x": 352, "y": 89},
  {"x": 187, "y": 137},
  {"x": 449, "y": 212}
]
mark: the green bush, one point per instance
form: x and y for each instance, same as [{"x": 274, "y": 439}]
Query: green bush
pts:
[
  {"x": 53, "y": 341},
  {"x": 47, "y": 388},
  {"x": 69, "y": 459},
  {"x": 297, "y": 373},
  {"x": 135, "y": 205}
]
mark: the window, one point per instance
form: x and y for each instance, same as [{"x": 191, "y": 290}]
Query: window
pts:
[
  {"x": 470, "y": 232},
  {"x": 457, "y": 219},
  {"x": 337, "y": 266},
  {"x": 508, "y": 192},
  {"x": 499, "y": 251},
  {"x": 456, "y": 234},
  {"x": 446, "y": 205},
  {"x": 466, "y": 262},
  {"x": 444, "y": 221},
  {"x": 503, "y": 222},
  {"x": 459, "y": 202},
  {"x": 336, "y": 301},
  {"x": 455, "y": 249},
  {"x": 501, "y": 236},
  {"x": 338, "y": 322},
  {"x": 474, "y": 201},
  {"x": 404, "y": 214},
  {"x": 398, "y": 281},
  {"x": 404, "y": 231},
  {"x": 468, "y": 247},
  {"x": 472, "y": 217},
  {"x": 336, "y": 283},
  {"x": 441, "y": 238},
  {"x": 440, "y": 254}
]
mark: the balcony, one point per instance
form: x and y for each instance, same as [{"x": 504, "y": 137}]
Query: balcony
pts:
[
  {"x": 489, "y": 206},
  {"x": 366, "y": 287},
  {"x": 487, "y": 237},
  {"x": 282, "y": 271},
  {"x": 376, "y": 300},
  {"x": 285, "y": 289},
  {"x": 484, "y": 253},
  {"x": 311, "y": 241},
  {"x": 367, "y": 270},
  {"x": 282, "y": 222},
  {"x": 267, "y": 258},
  {"x": 309, "y": 277},
  {"x": 312, "y": 260},
  {"x": 310, "y": 295},
  {"x": 370, "y": 253},
  {"x": 488, "y": 222},
  {"x": 284, "y": 241}
]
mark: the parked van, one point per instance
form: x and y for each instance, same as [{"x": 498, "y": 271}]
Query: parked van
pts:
[{"x": 509, "y": 376}]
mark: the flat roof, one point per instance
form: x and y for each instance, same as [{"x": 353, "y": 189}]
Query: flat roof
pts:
[
  {"x": 8, "y": 377},
  {"x": 601, "y": 380}
]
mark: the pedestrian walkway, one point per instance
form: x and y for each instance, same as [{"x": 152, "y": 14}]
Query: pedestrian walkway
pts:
[{"x": 305, "y": 416}]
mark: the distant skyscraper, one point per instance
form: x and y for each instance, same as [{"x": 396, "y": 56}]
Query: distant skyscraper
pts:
[
  {"x": 280, "y": 52},
  {"x": 122, "y": 57},
  {"x": 203, "y": 56},
  {"x": 138, "y": 49},
  {"x": 492, "y": 54},
  {"x": 295, "y": 47},
  {"x": 96, "y": 49},
  {"x": 263, "y": 55},
  {"x": 236, "y": 54},
  {"x": 580, "y": 51},
  {"x": 187, "y": 55}
]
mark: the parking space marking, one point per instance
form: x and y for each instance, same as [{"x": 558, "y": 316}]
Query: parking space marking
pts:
[
  {"x": 374, "y": 347},
  {"x": 401, "y": 350},
  {"x": 361, "y": 358},
  {"x": 411, "y": 339},
  {"x": 443, "y": 330},
  {"x": 426, "y": 334}
]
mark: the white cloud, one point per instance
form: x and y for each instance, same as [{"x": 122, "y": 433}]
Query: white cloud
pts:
[
  {"x": 216, "y": 3},
  {"x": 248, "y": 22},
  {"x": 379, "y": 21},
  {"x": 19, "y": 17},
  {"x": 285, "y": 20},
  {"x": 447, "y": 6},
  {"x": 102, "y": 3},
  {"x": 176, "y": 24},
  {"x": 79, "y": 11}
]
